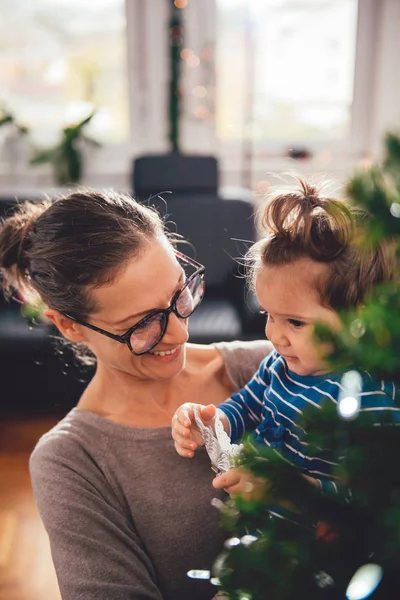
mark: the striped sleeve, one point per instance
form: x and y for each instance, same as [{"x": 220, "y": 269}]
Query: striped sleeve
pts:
[
  {"x": 243, "y": 409},
  {"x": 329, "y": 487},
  {"x": 381, "y": 402}
]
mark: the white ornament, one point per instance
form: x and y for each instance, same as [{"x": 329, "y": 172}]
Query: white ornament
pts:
[{"x": 217, "y": 443}]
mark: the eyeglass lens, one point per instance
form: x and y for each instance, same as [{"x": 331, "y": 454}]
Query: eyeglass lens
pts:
[
  {"x": 150, "y": 331},
  {"x": 190, "y": 297}
]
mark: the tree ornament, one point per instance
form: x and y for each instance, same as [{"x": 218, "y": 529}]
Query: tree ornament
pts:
[{"x": 364, "y": 582}]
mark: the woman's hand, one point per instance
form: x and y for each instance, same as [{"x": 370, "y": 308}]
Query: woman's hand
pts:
[
  {"x": 239, "y": 481},
  {"x": 185, "y": 432}
]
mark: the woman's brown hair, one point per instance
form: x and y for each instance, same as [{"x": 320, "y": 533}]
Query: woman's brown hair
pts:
[
  {"x": 60, "y": 249},
  {"x": 306, "y": 224}
]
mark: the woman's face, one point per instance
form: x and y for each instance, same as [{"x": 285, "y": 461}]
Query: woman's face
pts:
[{"x": 149, "y": 281}]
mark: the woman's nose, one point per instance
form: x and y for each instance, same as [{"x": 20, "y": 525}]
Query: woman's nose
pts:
[{"x": 177, "y": 330}]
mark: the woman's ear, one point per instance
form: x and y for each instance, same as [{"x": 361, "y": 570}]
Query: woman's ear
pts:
[{"x": 69, "y": 329}]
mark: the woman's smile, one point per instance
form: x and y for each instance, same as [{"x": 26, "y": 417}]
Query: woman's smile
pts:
[{"x": 166, "y": 355}]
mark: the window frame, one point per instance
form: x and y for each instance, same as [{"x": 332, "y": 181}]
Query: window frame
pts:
[
  {"x": 356, "y": 143},
  {"x": 147, "y": 72}
]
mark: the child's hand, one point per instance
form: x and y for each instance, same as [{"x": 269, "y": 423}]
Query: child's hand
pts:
[
  {"x": 239, "y": 481},
  {"x": 185, "y": 432},
  {"x": 312, "y": 480}
]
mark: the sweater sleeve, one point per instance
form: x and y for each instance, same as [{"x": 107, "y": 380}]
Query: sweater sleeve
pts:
[
  {"x": 96, "y": 550},
  {"x": 243, "y": 409},
  {"x": 242, "y": 359}
]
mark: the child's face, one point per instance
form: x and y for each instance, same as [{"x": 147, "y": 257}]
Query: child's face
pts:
[{"x": 292, "y": 304}]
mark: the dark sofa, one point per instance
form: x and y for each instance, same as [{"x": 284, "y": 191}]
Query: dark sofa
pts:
[{"x": 35, "y": 378}]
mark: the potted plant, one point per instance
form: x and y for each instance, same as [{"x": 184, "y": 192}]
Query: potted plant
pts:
[{"x": 67, "y": 156}]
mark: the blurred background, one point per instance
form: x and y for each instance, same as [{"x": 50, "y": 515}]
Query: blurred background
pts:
[{"x": 209, "y": 103}]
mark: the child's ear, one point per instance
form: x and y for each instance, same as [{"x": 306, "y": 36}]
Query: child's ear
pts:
[{"x": 69, "y": 329}]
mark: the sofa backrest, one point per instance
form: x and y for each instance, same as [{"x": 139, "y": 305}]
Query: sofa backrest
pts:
[{"x": 176, "y": 173}]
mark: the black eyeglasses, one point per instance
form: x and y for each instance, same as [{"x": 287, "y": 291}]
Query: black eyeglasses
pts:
[{"x": 148, "y": 332}]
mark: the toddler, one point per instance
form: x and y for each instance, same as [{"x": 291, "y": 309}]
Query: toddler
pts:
[{"x": 306, "y": 269}]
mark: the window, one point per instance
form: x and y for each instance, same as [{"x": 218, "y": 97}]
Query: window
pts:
[
  {"x": 59, "y": 58},
  {"x": 285, "y": 69}
]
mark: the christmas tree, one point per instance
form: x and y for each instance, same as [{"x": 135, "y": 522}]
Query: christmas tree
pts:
[{"x": 345, "y": 545}]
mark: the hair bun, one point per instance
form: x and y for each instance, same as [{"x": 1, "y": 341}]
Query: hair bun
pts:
[
  {"x": 15, "y": 241},
  {"x": 311, "y": 195},
  {"x": 318, "y": 226}
]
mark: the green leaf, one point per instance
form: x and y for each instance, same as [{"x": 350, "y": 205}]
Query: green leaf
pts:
[
  {"x": 44, "y": 156},
  {"x": 6, "y": 119}
]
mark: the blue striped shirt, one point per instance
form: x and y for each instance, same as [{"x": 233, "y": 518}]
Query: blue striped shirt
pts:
[{"x": 272, "y": 404}]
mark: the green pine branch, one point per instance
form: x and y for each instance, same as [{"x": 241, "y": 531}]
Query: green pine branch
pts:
[{"x": 323, "y": 540}]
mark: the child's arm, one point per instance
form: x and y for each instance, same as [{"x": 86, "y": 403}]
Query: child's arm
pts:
[
  {"x": 378, "y": 401},
  {"x": 330, "y": 487},
  {"x": 240, "y": 412},
  {"x": 185, "y": 432},
  {"x": 243, "y": 409}
]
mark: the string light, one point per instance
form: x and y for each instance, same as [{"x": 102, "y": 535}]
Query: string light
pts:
[
  {"x": 201, "y": 112},
  {"x": 199, "y": 91},
  {"x": 348, "y": 407},
  {"x": 364, "y": 582},
  {"x": 232, "y": 542},
  {"x": 248, "y": 539},
  {"x": 198, "y": 574},
  {"x": 217, "y": 503},
  {"x": 185, "y": 53},
  {"x": 193, "y": 60},
  {"x": 395, "y": 209},
  {"x": 181, "y": 3},
  {"x": 349, "y": 402}
]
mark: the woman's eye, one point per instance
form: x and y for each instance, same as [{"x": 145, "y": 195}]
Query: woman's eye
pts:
[
  {"x": 296, "y": 323},
  {"x": 139, "y": 326}
]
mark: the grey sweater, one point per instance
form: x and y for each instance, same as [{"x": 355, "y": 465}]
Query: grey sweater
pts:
[{"x": 127, "y": 516}]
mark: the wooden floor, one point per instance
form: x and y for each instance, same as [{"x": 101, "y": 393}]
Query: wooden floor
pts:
[{"x": 26, "y": 568}]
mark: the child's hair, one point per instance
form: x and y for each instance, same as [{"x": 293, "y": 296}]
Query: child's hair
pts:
[
  {"x": 60, "y": 249},
  {"x": 305, "y": 224}
]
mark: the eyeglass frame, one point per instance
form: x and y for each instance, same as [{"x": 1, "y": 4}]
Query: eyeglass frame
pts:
[{"x": 125, "y": 337}]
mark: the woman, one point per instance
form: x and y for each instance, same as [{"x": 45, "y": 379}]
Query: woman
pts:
[{"x": 126, "y": 516}]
